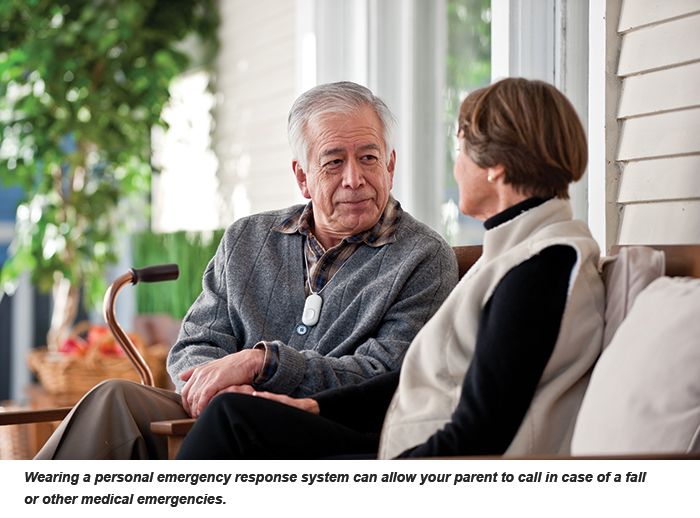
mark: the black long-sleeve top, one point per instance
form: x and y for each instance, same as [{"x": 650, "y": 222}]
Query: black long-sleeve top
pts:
[{"x": 518, "y": 329}]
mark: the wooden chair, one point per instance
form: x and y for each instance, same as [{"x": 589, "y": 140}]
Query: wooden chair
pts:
[{"x": 681, "y": 260}]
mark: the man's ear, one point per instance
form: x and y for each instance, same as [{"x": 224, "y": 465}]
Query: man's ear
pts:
[
  {"x": 391, "y": 167},
  {"x": 300, "y": 176}
]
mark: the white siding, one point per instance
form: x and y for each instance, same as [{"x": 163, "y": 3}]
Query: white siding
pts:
[
  {"x": 662, "y": 223},
  {"x": 663, "y": 134},
  {"x": 638, "y": 13},
  {"x": 663, "y": 90},
  {"x": 256, "y": 81},
  {"x": 659, "y": 118},
  {"x": 681, "y": 179},
  {"x": 658, "y": 46}
]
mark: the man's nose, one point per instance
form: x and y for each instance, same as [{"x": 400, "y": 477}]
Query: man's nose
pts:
[{"x": 353, "y": 177}]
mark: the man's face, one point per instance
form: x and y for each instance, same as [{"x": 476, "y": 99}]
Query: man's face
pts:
[{"x": 349, "y": 177}]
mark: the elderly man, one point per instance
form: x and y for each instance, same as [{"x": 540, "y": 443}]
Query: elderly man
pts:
[{"x": 297, "y": 300}]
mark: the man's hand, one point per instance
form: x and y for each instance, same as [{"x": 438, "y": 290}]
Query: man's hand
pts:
[
  {"x": 206, "y": 381},
  {"x": 306, "y": 404}
]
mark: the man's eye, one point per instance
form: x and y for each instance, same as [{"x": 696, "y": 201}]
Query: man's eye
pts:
[
  {"x": 369, "y": 159},
  {"x": 333, "y": 164}
]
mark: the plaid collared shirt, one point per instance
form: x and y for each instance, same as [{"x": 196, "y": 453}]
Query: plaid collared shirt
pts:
[{"x": 323, "y": 264}]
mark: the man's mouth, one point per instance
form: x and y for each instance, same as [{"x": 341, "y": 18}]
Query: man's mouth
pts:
[{"x": 355, "y": 202}]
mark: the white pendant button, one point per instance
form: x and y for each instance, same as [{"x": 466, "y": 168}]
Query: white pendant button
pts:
[{"x": 312, "y": 309}]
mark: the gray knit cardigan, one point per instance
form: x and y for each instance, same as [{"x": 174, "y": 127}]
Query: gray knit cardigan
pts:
[{"x": 253, "y": 290}]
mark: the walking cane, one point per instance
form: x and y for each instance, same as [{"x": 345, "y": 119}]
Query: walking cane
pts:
[{"x": 158, "y": 273}]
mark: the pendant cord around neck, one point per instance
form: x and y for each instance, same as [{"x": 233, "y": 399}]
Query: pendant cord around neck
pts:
[{"x": 308, "y": 272}]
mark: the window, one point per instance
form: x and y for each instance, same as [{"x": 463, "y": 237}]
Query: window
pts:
[
  {"x": 421, "y": 57},
  {"x": 185, "y": 191},
  {"x": 467, "y": 67}
]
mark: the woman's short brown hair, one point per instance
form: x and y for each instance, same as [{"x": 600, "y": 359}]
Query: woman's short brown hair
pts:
[{"x": 531, "y": 129}]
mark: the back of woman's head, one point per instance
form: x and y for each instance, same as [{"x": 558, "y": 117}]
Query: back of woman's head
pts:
[{"x": 531, "y": 129}]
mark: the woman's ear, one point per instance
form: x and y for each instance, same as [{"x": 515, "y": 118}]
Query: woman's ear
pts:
[{"x": 496, "y": 173}]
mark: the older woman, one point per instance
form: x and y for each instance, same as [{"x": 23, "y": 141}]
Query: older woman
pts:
[{"x": 502, "y": 366}]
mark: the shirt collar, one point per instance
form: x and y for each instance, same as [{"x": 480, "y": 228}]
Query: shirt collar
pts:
[
  {"x": 514, "y": 211},
  {"x": 301, "y": 221}
]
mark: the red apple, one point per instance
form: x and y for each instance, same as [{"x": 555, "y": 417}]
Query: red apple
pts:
[
  {"x": 98, "y": 334},
  {"x": 73, "y": 345},
  {"x": 110, "y": 349}
]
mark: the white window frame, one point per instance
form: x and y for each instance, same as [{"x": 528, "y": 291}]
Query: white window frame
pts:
[
  {"x": 22, "y": 329},
  {"x": 393, "y": 59},
  {"x": 603, "y": 128},
  {"x": 22, "y": 337},
  {"x": 547, "y": 40},
  {"x": 543, "y": 39}
]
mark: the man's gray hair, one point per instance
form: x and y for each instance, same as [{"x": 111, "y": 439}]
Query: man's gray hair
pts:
[{"x": 342, "y": 97}]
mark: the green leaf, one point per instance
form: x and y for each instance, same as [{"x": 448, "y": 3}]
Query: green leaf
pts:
[{"x": 81, "y": 85}]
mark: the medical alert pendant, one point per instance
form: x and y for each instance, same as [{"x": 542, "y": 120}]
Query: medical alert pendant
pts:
[{"x": 312, "y": 309}]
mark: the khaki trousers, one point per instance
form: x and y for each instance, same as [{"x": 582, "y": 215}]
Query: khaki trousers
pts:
[{"x": 112, "y": 421}]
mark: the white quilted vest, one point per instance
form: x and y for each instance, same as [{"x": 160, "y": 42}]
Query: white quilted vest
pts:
[{"x": 437, "y": 360}]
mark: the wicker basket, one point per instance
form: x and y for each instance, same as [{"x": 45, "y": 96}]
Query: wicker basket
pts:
[{"x": 70, "y": 376}]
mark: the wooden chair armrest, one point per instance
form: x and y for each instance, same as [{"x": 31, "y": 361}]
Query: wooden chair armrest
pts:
[
  {"x": 33, "y": 416},
  {"x": 466, "y": 257},
  {"x": 627, "y": 456},
  {"x": 641, "y": 456},
  {"x": 175, "y": 431},
  {"x": 172, "y": 427}
]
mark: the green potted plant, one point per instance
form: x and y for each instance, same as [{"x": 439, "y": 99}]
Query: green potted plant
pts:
[{"x": 82, "y": 83}]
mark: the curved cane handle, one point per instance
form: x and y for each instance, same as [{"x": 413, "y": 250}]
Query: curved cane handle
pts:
[{"x": 149, "y": 274}]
